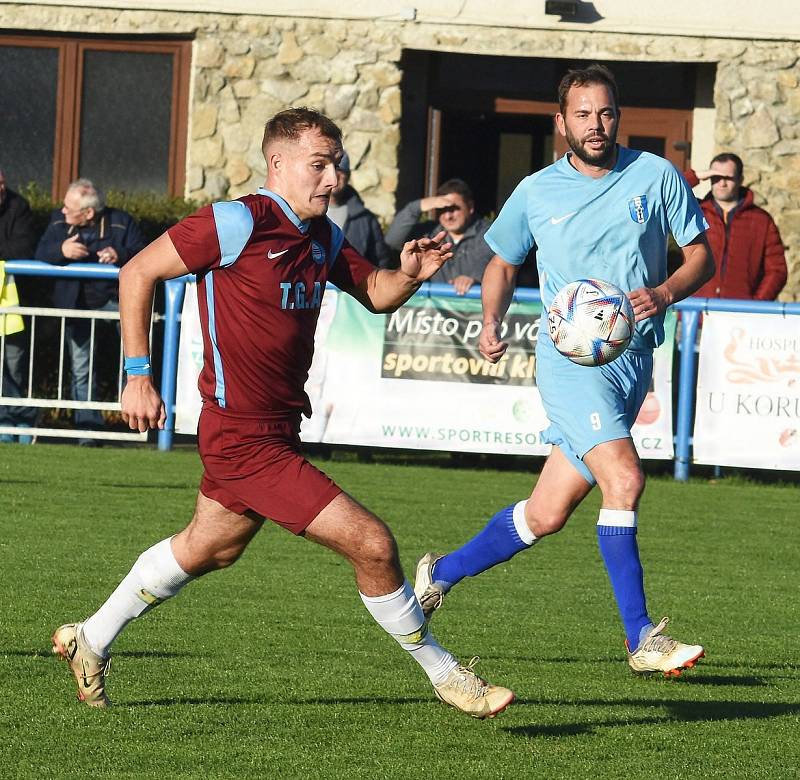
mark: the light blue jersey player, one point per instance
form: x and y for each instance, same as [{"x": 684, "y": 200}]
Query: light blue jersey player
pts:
[{"x": 606, "y": 212}]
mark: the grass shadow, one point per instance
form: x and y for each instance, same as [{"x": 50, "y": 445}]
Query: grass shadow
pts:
[
  {"x": 156, "y": 654},
  {"x": 746, "y": 681},
  {"x": 188, "y": 701},
  {"x": 680, "y": 711},
  {"x": 40, "y": 653},
  {"x": 333, "y": 700}
]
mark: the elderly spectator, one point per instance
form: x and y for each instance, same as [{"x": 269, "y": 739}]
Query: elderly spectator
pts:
[
  {"x": 17, "y": 241},
  {"x": 746, "y": 243},
  {"x": 85, "y": 230},
  {"x": 455, "y": 213},
  {"x": 359, "y": 225}
]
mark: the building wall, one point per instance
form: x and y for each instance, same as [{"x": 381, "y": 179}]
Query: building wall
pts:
[
  {"x": 718, "y": 18},
  {"x": 246, "y": 67}
]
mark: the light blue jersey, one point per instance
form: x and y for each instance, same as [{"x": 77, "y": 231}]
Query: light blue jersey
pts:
[{"x": 613, "y": 228}]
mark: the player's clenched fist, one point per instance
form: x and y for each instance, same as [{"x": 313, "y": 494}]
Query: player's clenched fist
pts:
[
  {"x": 142, "y": 407},
  {"x": 490, "y": 345}
]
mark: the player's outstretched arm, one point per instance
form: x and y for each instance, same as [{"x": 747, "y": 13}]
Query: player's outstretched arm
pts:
[
  {"x": 697, "y": 268},
  {"x": 385, "y": 291},
  {"x": 142, "y": 407},
  {"x": 497, "y": 288}
]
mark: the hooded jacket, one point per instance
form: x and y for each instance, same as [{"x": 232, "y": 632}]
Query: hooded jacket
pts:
[
  {"x": 747, "y": 248},
  {"x": 362, "y": 229}
]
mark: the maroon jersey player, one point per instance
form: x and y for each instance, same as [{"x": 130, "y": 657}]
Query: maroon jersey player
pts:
[{"x": 262, "y": 263}]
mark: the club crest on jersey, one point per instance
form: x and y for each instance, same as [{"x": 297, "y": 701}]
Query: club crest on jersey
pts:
[
  {"x": 317, "y": 252},
  {"x": 638, "y": 209}
]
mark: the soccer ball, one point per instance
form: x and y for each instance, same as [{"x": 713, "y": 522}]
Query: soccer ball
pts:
[{"x": 591, "y": 322}]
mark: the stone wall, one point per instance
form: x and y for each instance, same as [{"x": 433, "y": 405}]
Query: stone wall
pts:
[{"x": 247, "y": 67}]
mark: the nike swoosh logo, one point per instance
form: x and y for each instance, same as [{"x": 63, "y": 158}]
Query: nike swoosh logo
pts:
[
  {"x": 272, "y": 255},
  {"x": 556, "y": 220}
]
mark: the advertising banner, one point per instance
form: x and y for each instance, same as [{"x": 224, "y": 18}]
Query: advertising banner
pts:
[
  {"x": 652, "y": 433},
  {"x": 748, "y": 391},
  {"x": 416, "y": 380},
  {"x": 190, "y": 361}
]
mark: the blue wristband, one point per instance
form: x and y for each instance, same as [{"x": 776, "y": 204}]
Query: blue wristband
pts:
[{"x": 137, "y": 366}]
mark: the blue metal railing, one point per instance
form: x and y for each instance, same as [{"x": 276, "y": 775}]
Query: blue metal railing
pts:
[{"x": 175, "y": 290}]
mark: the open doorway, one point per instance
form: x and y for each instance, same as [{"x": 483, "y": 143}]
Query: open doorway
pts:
[
  {"x": 493, "y": 152},
  {"x": 496, "y": 126}
]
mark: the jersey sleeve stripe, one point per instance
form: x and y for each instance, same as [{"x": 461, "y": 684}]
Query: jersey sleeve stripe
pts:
[
  {"x": 219, "y": 375},
  {"x": 337, "y": 239},
  {"x": 234, "y": 223}
]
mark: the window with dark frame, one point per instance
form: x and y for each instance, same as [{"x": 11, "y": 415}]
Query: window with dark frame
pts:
[{"x": 113, "y": 110}]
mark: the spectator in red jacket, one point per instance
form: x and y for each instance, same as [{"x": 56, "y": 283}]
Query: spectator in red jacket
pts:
[{"x": 746, "y": 243}]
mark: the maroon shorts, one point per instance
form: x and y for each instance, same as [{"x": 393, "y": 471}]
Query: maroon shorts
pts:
[{"x": 253, "y": 462}]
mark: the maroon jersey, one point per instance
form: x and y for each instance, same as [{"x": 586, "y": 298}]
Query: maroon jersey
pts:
[{"x": 261, "y": 273}]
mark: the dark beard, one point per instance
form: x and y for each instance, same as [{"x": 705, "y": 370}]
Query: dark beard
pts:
[{"x": 599, "y": 158}]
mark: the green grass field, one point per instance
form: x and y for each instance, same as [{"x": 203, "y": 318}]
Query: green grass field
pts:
[{"x": 273, "y": 669}]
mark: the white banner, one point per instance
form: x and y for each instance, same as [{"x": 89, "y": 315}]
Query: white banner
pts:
[
  {"x": 415, "y": 380},
  {"x": 652, "y": 432},
  {"x": 190, "y": 361},
  {"x": 748, "y": 391}
]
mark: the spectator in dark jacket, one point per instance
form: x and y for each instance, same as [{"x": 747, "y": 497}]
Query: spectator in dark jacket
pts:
[
  {"x": 359, "y": 225},
  {"x": 743, "y": 237},
  {"x": 17, "y": 232},
  {"x": 86, "y": 231},
  {"x": 455, "y": 213},
  {"x": 17, "y": 241}
]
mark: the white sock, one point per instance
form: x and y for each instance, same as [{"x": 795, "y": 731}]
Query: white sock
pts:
[
  {"x": 155, "y": 577},
  {"x": 521, "y": 524},
  {"x": 400, "y": 615}
]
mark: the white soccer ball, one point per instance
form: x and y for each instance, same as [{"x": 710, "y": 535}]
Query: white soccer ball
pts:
[{"x": 591, "y": 322}]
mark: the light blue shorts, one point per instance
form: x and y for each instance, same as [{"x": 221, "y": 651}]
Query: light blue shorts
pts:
[{"x": 588, "y": 405}]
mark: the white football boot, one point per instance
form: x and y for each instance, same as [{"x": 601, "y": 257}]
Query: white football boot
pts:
[{"x": 660, "y": 653}]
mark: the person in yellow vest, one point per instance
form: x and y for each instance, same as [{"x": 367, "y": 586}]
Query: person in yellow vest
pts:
[{"x": 17, "y": 242}]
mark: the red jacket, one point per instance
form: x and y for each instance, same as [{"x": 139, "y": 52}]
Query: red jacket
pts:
[{"x": 748, "y": 250}]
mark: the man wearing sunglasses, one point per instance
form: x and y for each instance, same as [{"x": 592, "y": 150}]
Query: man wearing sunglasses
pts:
[{"x": 743, "y": 237}]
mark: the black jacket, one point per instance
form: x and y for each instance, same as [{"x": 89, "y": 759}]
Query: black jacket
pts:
[
  {"x": 363, "y": 231},
  {"x": 17, "y": 232},
  {"x": 112, "y": 227}
]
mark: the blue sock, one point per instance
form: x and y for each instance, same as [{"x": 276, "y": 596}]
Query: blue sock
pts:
[
  {"x": 616, "y": 535},
  {"x": 499, "y": 540}
]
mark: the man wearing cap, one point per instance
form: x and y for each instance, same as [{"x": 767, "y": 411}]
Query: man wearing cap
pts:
[{"x": 359, "y": 225}]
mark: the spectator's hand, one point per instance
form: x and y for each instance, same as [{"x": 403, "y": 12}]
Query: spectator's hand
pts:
[
  {"x": 461, "y": 284},
  {"x": 648, "y": 301},
  {"x": 436, "y": 202},
  {"x": 108, "y": 255},
  {"x": 490, "y": 345},
  {"x": 422, "y": 258},
  {"x": 705, "y": 175},
  {"x": 142, "y": 407},
  {"x": 73, "y": 249}
]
